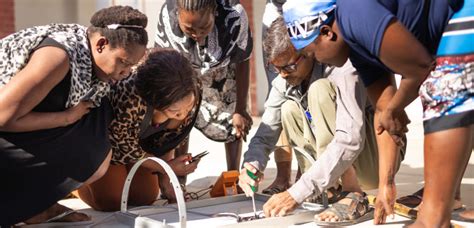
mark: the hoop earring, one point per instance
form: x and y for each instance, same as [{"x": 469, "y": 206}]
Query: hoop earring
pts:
[{"x": 100, "y": 49}]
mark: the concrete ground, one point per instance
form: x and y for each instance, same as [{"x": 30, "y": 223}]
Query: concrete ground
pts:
[{"x": 409, "y": 178}]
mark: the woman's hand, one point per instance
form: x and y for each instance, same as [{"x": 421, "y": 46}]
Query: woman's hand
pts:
[
  {"x": 76, "y": 112},
  {"x": 384, "y": 203},
  {"x": 395, "y": 123},
  {"x": 242, "y": 123},
  {"x": 181, "y": 165}
]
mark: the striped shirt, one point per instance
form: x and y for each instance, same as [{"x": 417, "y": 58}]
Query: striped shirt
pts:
[{"x": 458, "y": 35}]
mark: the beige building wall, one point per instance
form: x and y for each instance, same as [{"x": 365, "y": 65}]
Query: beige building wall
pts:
[
  {"x": 29, "y": 13},
  {"x": 262, "y": 87}
]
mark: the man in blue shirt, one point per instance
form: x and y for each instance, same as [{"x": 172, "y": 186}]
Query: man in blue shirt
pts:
[{"x": 401, "y": 36}]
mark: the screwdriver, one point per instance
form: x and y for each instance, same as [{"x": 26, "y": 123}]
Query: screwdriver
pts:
[{"x": 254, "y": 189}]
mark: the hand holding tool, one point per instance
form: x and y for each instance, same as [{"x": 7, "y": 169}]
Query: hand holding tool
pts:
[{"x": 254, "y": 189}]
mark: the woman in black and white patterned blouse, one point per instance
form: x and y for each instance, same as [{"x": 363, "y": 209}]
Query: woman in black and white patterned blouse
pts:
[{"x": 215, "y": 37}]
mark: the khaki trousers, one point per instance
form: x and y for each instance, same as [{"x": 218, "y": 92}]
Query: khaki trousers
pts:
[{"x": 322, "y": 106}]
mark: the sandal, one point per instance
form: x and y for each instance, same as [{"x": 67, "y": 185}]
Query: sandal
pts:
[
  {"x": 356, "y": 212},
  {"x": 411, "y": 201},
  {"x": 334, "y": 193},
  {"x": 274, "y": 190},
  {"x": 398, "y": 208},
  {"x": 408, "y": 206},
  {"x": 457, "y": 215}
]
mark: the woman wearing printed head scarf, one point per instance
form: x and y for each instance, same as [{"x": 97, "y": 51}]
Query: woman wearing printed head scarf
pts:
[
  {"x": 398, "y": 36},
  {"x": 53, "y": 109},
  {"x": 216, "y": 38}
]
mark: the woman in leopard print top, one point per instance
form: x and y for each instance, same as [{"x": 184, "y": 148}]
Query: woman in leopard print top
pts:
[{"x": 155, "y": 109}]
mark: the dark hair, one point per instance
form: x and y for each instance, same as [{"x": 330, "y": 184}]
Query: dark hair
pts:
[
  {"x": 276, "y": 41},
  {"x": 122, "y": 36},
  {"x": 165, "y": 77},
  {"x": 196, "y": 5}
]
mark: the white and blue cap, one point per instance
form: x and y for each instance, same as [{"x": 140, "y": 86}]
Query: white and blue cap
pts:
[{"x": 304, "y": 17}]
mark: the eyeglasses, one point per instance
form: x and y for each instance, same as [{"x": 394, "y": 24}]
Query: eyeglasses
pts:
[{"x": 290, "y": 68}]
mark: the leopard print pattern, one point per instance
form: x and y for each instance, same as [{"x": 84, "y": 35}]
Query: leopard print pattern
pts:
[
  {"x": 130, "y": 110},
  {"x": 15, "y": 52}
]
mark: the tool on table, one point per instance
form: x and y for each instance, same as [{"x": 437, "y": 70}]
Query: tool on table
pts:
[
  {"x": 254, "y": 189},
  {"x": 226, "y": 184}
]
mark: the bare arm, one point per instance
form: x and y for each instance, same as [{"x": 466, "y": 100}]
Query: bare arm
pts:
[
  {"x": 380, "y": 94},
  {"x": 46, "y": 68},
  {"x": 405, "y": 55},
  {"x": 242, "y": 81},
  {"x": 241, "y": 119},
  {"x": 402, "y": 53}
]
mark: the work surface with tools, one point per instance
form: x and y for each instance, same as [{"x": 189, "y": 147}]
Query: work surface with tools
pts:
[{"x": 408, "y": 180}]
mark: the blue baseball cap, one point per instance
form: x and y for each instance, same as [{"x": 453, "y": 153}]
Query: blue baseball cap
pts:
[{"x": 304, "y": 17}]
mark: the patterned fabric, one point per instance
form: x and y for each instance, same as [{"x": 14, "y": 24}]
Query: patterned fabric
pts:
[
  {"x": 229, "y": 43},
  {"x": 449, "y": 89},
  {"x": 130, "y": 110},
  {"x": 218, "y": 105},
  {"x": 459, "y": 33},
  {"x": 15, "y": 51}
]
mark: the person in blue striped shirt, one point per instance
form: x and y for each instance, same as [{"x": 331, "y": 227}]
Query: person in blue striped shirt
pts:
[{"x": 404, "y": 37}]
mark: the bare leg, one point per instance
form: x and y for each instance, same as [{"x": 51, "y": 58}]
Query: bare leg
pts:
[
  {"x": 349, "y": 181},
  {"x": 233, "y": 153},
  {"x": 445, "y": 152},
  {"x": 457, "y": 195},
  {"x": 105, "y": 194},
  {"x": 283, "y": 176},
  {"x": 167, "y": 189},
  {"x": 283, "y": 157}
]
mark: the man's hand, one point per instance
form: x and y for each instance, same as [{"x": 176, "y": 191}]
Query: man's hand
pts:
[
  {"x": 384, "y": 203},
  {"x": 279, "y": 205},
  {"x": 245, "y": 181},
  {"x": 242, "y": 123},
  {"x": 395, "y": 123}
]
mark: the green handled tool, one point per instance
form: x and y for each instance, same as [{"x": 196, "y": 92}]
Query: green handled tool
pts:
[
  {"x": 254, "y": 189},
  {"x": 254, "y": 177}
]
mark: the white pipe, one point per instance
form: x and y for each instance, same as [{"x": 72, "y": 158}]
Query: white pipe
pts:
[{"x": 174, "y": 181}]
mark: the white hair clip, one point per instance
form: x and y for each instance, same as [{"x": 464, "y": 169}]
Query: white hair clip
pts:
[{"x": 117, "y": 26}]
